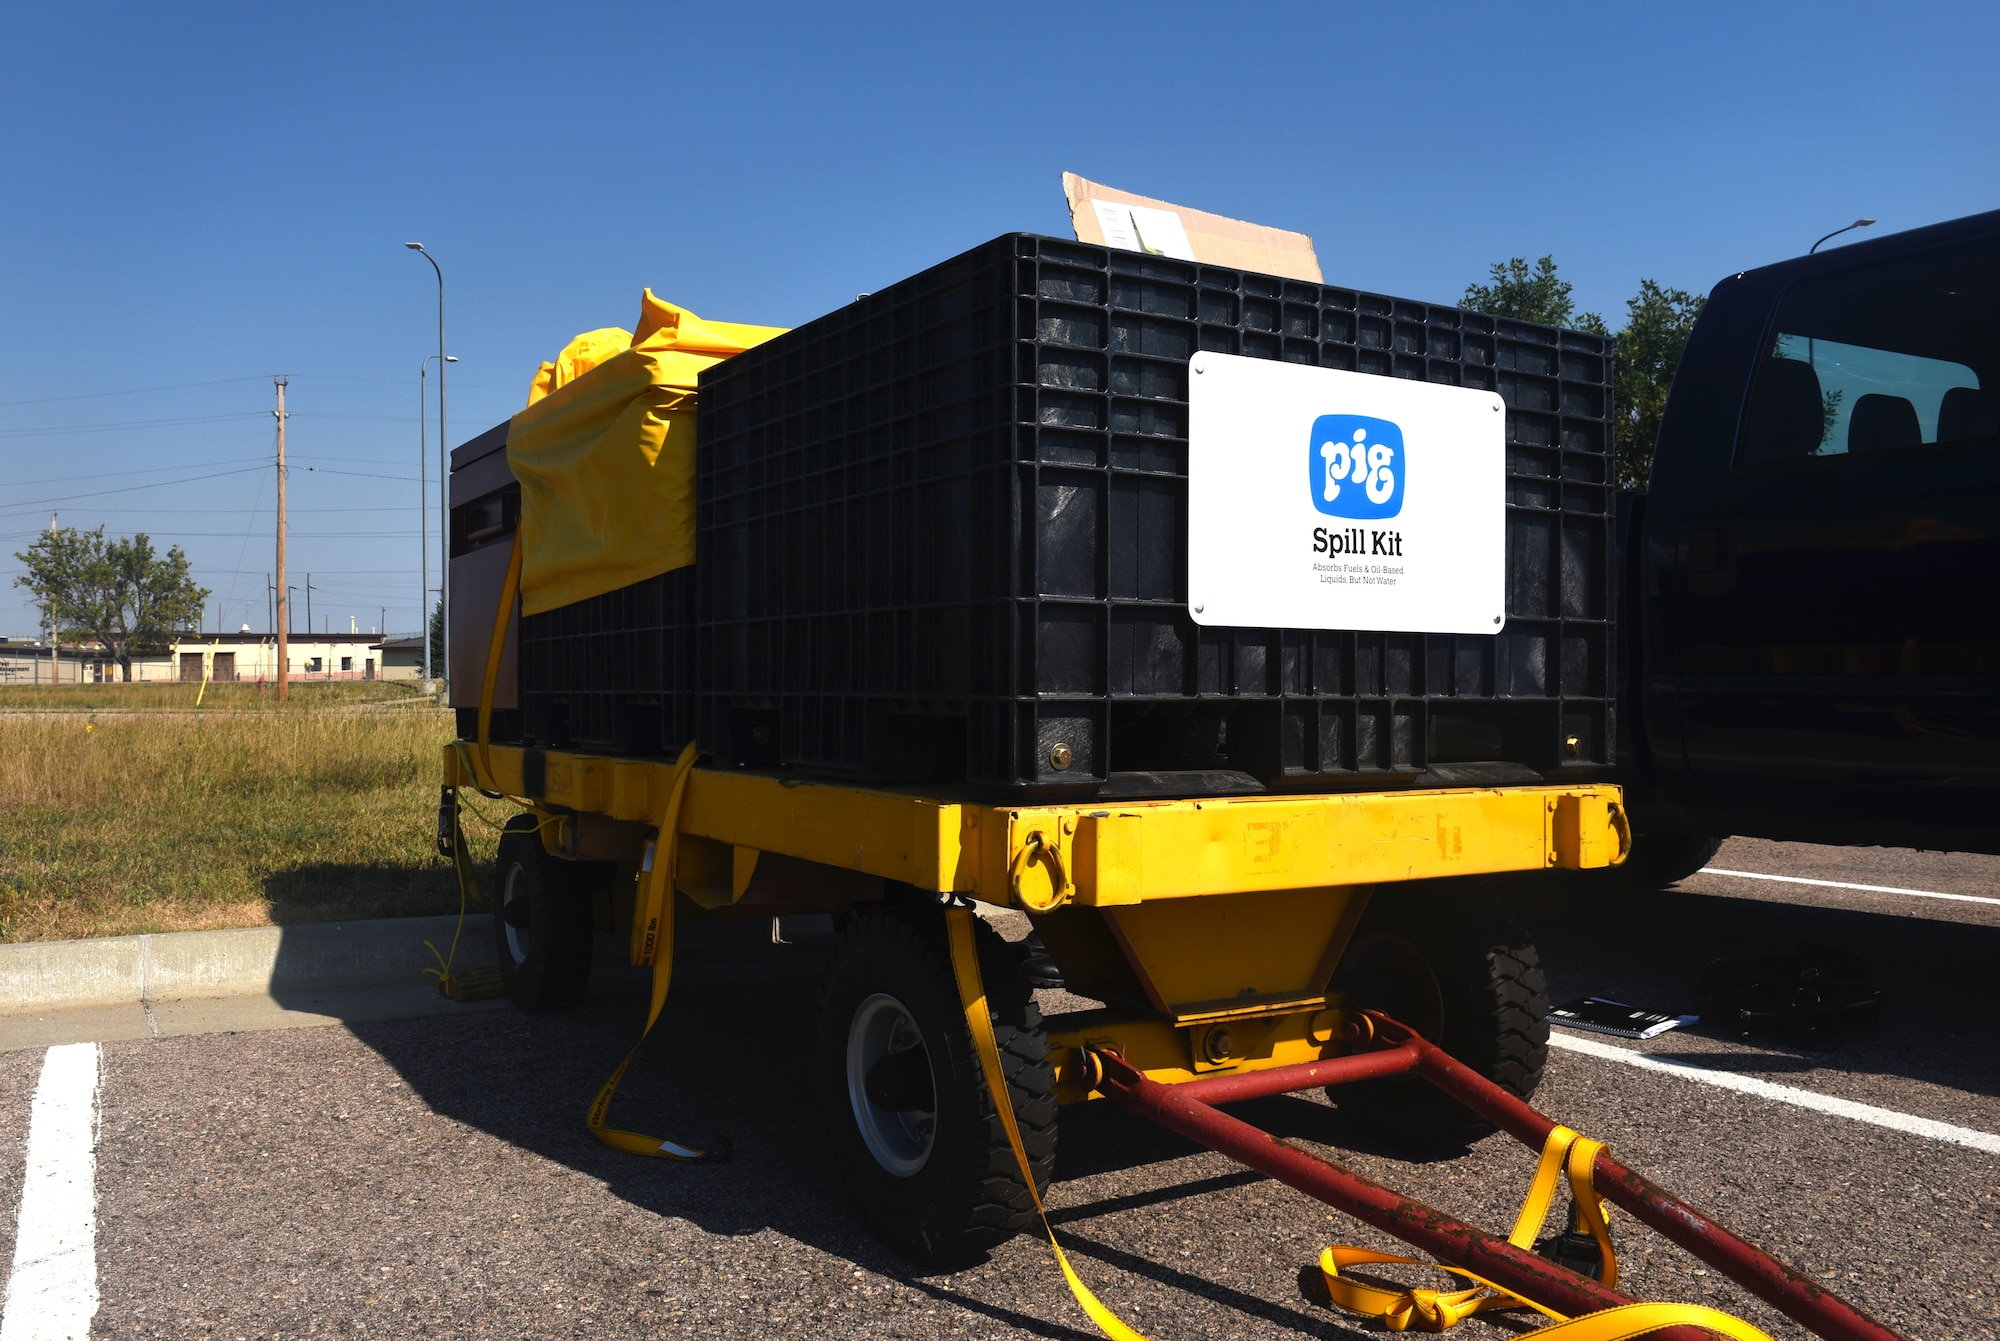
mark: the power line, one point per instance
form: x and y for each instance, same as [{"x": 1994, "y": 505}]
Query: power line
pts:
[
  {"x": 256, "y": 505},
  {"x": 348, "y": 460},
  {"x": 359, "y": 474},
  {"x": 349, "y": 414},
  {"x": 136, "y": 391},
  {"x": 63, "y": 430},
  {"x": 129, "y": 488},
  {"x": 144, "y": 470},
  {"x": 225, "y": 381},
  {"x": 397, "y": 381}
]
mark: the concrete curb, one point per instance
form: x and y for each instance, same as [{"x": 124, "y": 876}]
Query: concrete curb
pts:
[{"x": 251, "y": 961}]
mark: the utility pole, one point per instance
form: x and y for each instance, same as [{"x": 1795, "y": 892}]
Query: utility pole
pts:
[
  {"x": 309, "y": 607},
  {"x": 284, "y": 612},
  {"x": 55, "y": 630}
]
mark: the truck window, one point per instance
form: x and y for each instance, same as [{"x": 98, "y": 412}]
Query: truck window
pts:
[{"x": 1883, "y": 357}]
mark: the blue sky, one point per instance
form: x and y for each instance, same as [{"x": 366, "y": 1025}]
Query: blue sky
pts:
[{"x": 212, "y": 194}]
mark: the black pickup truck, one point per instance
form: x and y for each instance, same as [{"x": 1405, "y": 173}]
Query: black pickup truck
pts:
[{"x": 1812, "y": 599}]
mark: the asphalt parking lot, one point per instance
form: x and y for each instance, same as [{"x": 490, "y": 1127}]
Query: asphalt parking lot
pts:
[{"x": 432, "y": 1178}]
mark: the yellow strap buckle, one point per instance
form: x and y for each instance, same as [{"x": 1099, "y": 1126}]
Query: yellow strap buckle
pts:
[{"x": 1401, "y": 1308}]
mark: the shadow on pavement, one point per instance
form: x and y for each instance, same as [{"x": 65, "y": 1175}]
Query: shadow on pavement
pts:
[
  {"x": 1940, "y": 1024},
  {"x": 731, "y": 1056}
]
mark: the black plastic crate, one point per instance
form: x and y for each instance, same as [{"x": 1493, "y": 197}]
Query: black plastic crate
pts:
[
  {"x": 942, "y": 535},
  {"x": 614, "y": 672}
]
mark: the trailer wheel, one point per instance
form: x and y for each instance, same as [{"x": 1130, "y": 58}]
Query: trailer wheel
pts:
[
  {"x": 541, "y": 920},
  {"x": 1454, "y": 965},
  {"x": 914, "y": 1132}
]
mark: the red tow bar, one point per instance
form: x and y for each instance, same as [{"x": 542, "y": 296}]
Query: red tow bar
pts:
[{"x": 1189, "y": 1109}]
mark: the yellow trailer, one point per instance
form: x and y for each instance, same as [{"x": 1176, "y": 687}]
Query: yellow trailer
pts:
[
  {"x": 1226, "y": 935},
  {"x": 1224, "y": 946},
  {"x": 1223, "y": 934}
]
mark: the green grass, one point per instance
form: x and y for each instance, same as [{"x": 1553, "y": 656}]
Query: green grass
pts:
[
  {"x": 170, "y": 821},
  {"x": 238, "y": 695}
]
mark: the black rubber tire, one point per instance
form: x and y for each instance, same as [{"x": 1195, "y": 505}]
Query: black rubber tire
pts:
[
  {"x": 1452, "y": 963},
  {"x": 968, "y": 1194},
  {"x": 545, "y": 964},
  {"x": 1659, "y": 859}
]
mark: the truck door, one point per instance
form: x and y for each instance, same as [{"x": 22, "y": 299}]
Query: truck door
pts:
[{"x": 1840, "y": 622}]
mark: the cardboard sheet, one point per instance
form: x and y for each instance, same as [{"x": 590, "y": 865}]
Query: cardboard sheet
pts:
[{"x": 1114, "y": 218}]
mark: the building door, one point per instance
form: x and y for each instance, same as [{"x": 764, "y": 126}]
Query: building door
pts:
[
  {"x": 191, "y": 667},
  {"x": 225, "y": 666},
  {"x": 368, "y": 669}
]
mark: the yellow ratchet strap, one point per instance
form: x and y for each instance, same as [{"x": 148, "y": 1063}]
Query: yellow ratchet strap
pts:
[
  {"x": 1434, "y": 1310},
  {"x": 972, "y": 996},
  {"x": 652, "y": 943}
]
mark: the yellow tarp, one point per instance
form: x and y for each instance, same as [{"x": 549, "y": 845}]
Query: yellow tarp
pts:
[{"x": 605, "y": 454}]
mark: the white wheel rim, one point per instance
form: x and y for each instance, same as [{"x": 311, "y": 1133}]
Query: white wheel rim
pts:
[
  {"x": 900, "y": 1141},
  {"x": 517, "y": 937}
]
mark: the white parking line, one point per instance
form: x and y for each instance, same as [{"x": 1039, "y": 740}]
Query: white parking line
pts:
[
  {"x": 52, "y": 1292},
  {"x": 1842, "y": 884},
  {"x": 1784, "y": 1094}
]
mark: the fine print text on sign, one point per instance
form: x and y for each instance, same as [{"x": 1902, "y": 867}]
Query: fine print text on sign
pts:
[{"x": 1325, "y": 499}]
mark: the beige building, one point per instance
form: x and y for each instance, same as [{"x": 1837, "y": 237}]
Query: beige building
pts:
[
  {"x": 219, "y": 656},
  {"x": 402, "y": 658},
  {"x": 25, "y": 661},
  {"x": 254, "y": 656}
]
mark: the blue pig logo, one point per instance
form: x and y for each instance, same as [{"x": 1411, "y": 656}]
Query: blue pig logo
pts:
[{"x": 1356, "y": 465}]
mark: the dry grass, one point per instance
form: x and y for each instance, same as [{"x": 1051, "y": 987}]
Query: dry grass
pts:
[
  {"x": 240, "y": 695},
  {"x": 169, "y": 821}
]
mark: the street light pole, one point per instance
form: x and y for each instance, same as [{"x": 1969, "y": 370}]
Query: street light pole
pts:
[
  {"x": 284, "y": 592},
  {"x": 1858, "y": 223},
  {"x": 424, "y": 516},
  {"x": 424, "y": 504},
  {"x": 444, "y": 532},
  {"x": 1812, "y": 360}
]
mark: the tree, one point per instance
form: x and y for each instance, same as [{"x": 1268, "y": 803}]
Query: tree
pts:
[
  {"x": 53, "y": 562},
  {"x": 1537, "y": 294},
  {"x": 119, "y": 593},
  {"x": 1793, "y": 347},
  {"x": 1645, "y": 354},
  {"x": 437, "y": 638},
  {"x": 1658, "y": 322},
  {"x": 1829, "y": 414}
]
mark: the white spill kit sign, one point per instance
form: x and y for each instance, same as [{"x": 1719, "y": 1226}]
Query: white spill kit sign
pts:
[{"x": 1324, "y": 499}]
